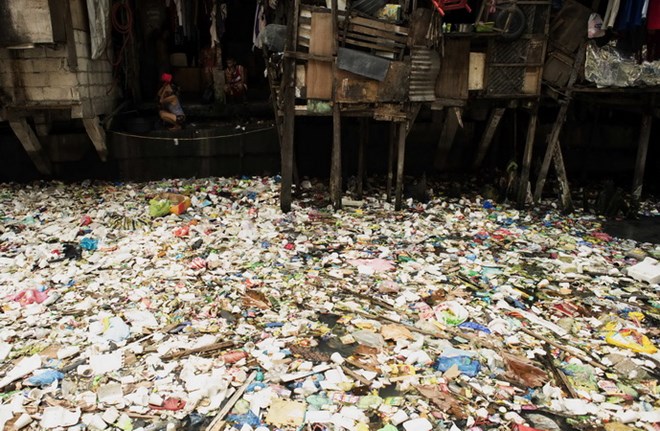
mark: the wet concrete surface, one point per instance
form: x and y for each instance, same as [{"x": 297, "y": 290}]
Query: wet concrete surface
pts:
[{"x": 645, "y": 229}]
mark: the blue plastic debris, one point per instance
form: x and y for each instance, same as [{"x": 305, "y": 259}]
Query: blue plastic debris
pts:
[
  {"x": 45, "y": 378},
  {"x": 466, "y": 365}
]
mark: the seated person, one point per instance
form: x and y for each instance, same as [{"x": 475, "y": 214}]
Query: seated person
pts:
[
  {"x": 170, "y": 110},
  {"x": 235, "y": 81}
]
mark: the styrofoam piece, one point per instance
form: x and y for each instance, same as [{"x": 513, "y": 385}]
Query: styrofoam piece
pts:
[{"x": 647, "y": 270}]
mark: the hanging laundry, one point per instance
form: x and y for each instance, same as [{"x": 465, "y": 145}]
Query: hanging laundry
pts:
[
  {"x": 259, "y": 25},
  {"x": 179, "y": 11},
  {"x": 630, "y": 15},
  {"x": 611, "y": 13},
  {"x": 653, "y": 15}
]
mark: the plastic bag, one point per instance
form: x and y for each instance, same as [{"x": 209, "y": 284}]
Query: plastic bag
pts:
[
  {"x": 595, "y": 26},
  {"x": 159, "y": 207}
]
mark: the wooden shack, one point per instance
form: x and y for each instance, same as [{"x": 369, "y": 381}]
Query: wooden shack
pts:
[
  {"x": 54, "y": 68},
  {"x": 382, "y": 62}
]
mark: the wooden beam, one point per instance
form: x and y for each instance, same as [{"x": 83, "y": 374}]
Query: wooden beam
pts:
[
  {"x": 288, "y": 112},
  {"x": 401, "y": 153},
  {"x": 364, "y": 139},
  {"x": 447, "y": 136},
  {"x": 527, "y": 156},
  {"x": 486, "y": 139},
  {"x": 97, "y": 134},
  {"x": 553, "y": 142},
  {"x": 335, "y": 167},
  {"x": 390, "y": 160},
  {"x": 553, "y": 150},
  {"x": 642, "y": 150},
  {"x": 32, "y": 146},
  {"x": 565, "y": 190}
]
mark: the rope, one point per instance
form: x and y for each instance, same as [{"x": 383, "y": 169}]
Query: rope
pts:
[
  {"x": 158, "y": 138},
  {"x": 122, "y": 28}
]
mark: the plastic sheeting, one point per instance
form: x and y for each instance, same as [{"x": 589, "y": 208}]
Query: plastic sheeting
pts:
[
  {"x": 607, "y": 67},
  {"x": 98, "y": 12}
]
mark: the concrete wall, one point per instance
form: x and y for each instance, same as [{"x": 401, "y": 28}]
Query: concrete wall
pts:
[{"x": 52, "y": 75}]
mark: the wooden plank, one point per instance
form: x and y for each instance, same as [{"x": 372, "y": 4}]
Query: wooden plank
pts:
[
  {"x": 378, "y": 46},
  {"x": 527, "y": 157},
  {"x": 477, "y": 72},
  {"x": 452, "y": 82},
  {"x": 642, "y": 150},
  {"x": 319, "y": 73},
  {"x": 356, "y": 28},
  {"x": 335, "y": 163},
  {"x": 493, "y": 121},
  {"x": 378, "y": 40},
  {"x": 380, "y": 25},
  {"x": 401, "y": 154}
]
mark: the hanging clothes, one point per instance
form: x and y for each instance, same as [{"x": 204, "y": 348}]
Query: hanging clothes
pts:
[
  {"x": 630, "y": 15},
  {"x": 259, "y": 25},
  {"x": 653, "y": 15},
  {"x": 611, "y": 13}
]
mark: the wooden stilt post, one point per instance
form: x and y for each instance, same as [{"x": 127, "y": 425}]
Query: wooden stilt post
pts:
[
  {"x": 553, "y": 143},
  {"x": 527, "y": 157},
  {"x": 565, "y": 190},
  {"x": 642, "y": 150},
  {"x": 390, "y": 160},
  {"x": 447, "y": 136},
  {"x": 288, "y": 112},
  {"x": 335, "y": 167},
  {"x": 32, "y": 146},
  {"x": 493, "y": 121},
  {"x": 400, "y": 159},
  {"x": 364, "y": 138},
  {"x": 553, "y": 150},
  {"x": 97, "y": 135}
]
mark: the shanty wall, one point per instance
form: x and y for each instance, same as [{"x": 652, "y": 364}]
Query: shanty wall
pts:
[{"x": 58, "y": 74}]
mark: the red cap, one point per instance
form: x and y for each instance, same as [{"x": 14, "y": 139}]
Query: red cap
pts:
[{"x": 166, "y": 77}]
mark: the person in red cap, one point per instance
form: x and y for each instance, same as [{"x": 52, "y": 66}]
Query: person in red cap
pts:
[{"x": 170, "y": 110}]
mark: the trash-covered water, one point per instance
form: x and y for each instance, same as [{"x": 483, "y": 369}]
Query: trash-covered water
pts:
[{"x": 198, "y": 304}]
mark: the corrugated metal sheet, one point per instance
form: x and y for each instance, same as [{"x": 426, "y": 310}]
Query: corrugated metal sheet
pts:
[{"x": 424, "y": 68}]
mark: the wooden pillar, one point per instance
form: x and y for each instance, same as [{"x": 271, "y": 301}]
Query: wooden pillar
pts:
[
  {"x": 449, "y": 128},
  {"x": 642, "y": 150},
  {"x": 486, "y": 139},
  {"x": 335, "y": 166},
  {"x": 390, "y": 160},
  {"x": 565, "y": 190},
  {"x": 97, "y": 134},
  {"x": 288, "y": 112},
  {"x": 364, "y": 139},
  {"x": 553, "y": 142},
  {"x": 401, "y": 153},
  {"x": 527, "y": 157},
  {"x": 31, "y": 143}
]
